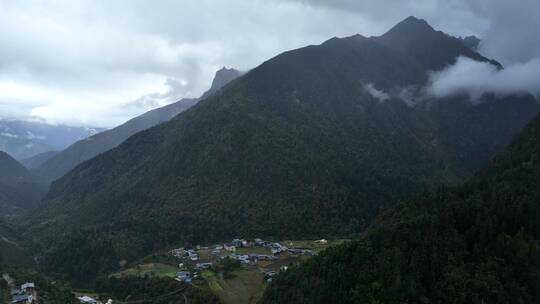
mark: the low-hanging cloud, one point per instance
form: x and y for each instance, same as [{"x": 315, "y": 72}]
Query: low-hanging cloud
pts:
[
  {"x": 380, "y": 95},
  {"x": 510, "y": 38},
  {"x": 475, "y": 78},
  {"x": 175, "y": 88}
]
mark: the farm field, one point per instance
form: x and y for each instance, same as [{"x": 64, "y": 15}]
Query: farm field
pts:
[
  {"x": 150, "y": 269},
  {"x": 242, "y": 287}
]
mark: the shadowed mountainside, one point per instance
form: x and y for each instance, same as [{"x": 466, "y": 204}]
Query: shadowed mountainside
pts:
[
  {"x": 478, "y": 243},
  {"x": 314, "y": 142}
]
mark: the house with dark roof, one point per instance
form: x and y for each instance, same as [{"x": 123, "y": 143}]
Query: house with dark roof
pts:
[
  {"x": 23, "y": 298},
  {"x": 28, "y": 288}
]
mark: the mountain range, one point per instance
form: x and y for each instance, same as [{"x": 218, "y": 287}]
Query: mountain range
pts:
[
  {"x": 24, "y": 139},
  {"x": 313, "y": 142},
  {"x": 56, "y": 165}
]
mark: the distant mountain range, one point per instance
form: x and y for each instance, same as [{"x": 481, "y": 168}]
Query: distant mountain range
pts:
[
  {"x": 53, "y": 166},
  {"x": 314, "y": 142},
  {"x": 478, "y": 243},
  {"x": 24, "y": 139}
]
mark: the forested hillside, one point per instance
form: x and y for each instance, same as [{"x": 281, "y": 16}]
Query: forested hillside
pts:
[
  {"x": 14, "y": 251},
  {"x": 154, "y": 290},
  {"x": 19, "y": 189},
  {"x": 477, "y": 243},
  {"x": 314, "y": 142}
]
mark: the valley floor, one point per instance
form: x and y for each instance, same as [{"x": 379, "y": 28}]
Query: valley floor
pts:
[{"x": 257, "y": 261}]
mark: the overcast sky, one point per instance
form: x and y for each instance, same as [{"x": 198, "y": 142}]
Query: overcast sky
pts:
[{"x": 99, "y": 63}]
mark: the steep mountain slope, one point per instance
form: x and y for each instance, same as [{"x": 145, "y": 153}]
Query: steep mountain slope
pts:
[
  {"x": 38, "y": 160},
  {"x": 104, "y": 141},
  {"x": 23, "y": 139},
  {"x": 18, "y": 187},
  {"x": 301, "y": 146},
  {"x": 478, "y": 243}
]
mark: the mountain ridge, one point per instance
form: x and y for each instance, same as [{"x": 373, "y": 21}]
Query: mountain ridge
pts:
[
  {"x": 297, "y": 147},
  {"x": 81, "y": 151}
]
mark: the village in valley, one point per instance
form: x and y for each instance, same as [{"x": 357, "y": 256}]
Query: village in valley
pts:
[
  {"x": 259, "y": 255},
  {"x": 21, "y": 294},
  {"x": 236, "y": 271}
]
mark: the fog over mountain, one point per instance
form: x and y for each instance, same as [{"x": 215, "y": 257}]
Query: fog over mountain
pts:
[
  {"x": 509, "y": 37},
  {"x": 474, "y": 78}
]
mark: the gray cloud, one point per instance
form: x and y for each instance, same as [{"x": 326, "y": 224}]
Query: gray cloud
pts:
[
  {"x": 455, "y": 17},
  {"x": 175, "y": 88},
  {"x": 83, "y": 62},
  {"x": 511, "y": 34},
  {"x": 98, "y": 62}
]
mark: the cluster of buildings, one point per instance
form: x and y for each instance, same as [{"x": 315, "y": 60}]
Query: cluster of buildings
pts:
[
  {"x": 251, "y": 259},
  {"x": 229, "y": 250},
  {"x": 25, "y": 294},
  {"x": 202, "y": 258}
]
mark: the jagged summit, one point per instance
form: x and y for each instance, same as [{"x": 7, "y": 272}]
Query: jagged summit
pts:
[
  {"x": 223, "y": 76},
  {"x": 428, "y": 45},
  {"x": 411, "y": 32},
  {"x": 418, "y": 37},
  {"x": 411, "y": 26}
]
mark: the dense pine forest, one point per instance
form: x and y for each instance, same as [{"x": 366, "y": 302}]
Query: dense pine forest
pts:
[
  {"x": 352, "y": 155},
  {"x": 157, "y": 291},
  {"x": 477, "y": 243}
]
